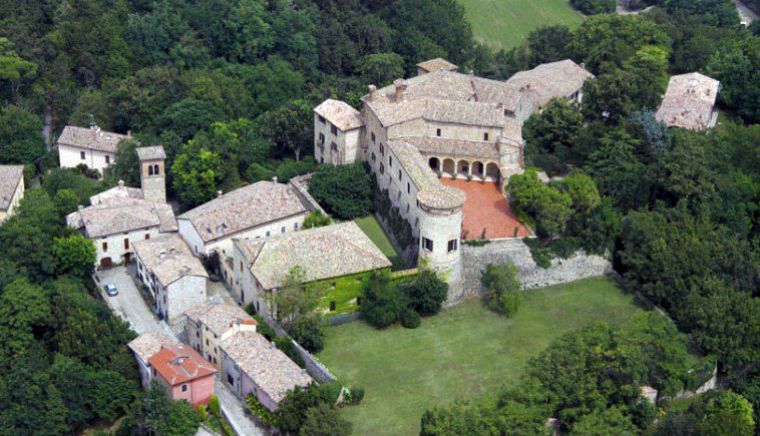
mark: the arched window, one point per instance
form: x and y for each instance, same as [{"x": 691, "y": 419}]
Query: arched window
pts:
[
  {"x": 156, "y": 170},
  {"x": 150, "y": 170}
]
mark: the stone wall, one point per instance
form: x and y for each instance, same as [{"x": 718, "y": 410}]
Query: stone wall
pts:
[{"x": 475, "y": 259}]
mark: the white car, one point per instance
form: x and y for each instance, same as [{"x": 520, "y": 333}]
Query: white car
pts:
[{"x": 111, "y": 290}]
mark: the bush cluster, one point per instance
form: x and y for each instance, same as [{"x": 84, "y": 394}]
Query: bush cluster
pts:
[{"x": 386, "y": 302}]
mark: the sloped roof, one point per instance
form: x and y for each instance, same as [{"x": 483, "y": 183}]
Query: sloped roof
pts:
[
  {"x": 341, "y": 114},
  {"x": 121, "y": 215},
  {"x": 454, "y": 147},
  {"x": 323, "y": 253},
  {"x": 119, "y": 191},
  {"x": 169, "y": 258},
  {"x": 551, "y": 80},
  {"x": 218, "y": 317},
  {"x": 689, "y": 101},
  {"x": 155, "y": 152},
  {"x": 10, "y": 177},
  {"x": 91, "y": 138},
  {"x": 437, "y": 64},
  {"x": 267, "y": 366},
  {"x": 148, "y": 344},
  {"x": 178, "y": 364},
  {"x": 245, "y": 208}
]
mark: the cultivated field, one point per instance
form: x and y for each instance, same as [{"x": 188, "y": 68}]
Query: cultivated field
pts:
[
  {"x": 503, "y": 23},
  {"x": 465, "y": 351}
]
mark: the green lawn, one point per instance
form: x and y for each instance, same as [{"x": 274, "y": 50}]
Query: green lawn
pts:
[
  {"x": 465, "y": 351},
  {"x": 372, "y": 228},
  {"x": 503, "y": 23}
]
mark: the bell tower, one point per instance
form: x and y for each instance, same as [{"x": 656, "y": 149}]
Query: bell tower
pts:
[{"x": 152, "y": 173}]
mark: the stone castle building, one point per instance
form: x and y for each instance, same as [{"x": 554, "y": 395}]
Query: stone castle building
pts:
[{"x": 415, "y": 130}]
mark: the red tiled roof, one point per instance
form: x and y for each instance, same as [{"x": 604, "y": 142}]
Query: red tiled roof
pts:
[{"x": 180, "y": 364}]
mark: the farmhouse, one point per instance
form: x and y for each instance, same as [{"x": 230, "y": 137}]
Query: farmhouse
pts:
[
  {"x": 144, "y": 347},
  {"x": 561, "y": 79},
  {"x": 255, "y": 211},
  {"x": 175, "y": 278},
  {"x": 689, "y": 102},
  {"x": 261, "y": 265},
  {"x": 184, "y": 374},
  {"x": 208, "y": 324},
  {"x": 251, "y": 364},
  {"x": 11, "y": 189},
  {"x": 93, "y": 147}
]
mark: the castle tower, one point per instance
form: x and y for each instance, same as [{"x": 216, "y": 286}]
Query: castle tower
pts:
[{"x": 152, "y": 175}]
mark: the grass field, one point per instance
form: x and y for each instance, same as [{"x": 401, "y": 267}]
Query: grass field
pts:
[
  {"x": 465, "y": 351},
  {"x": 372, "y": 228},
  {"x": 503, "y": 23}
]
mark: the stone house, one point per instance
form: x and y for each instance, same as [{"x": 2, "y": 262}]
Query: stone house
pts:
[
  {"x": 689, "y": 102},
  {"x": 90, "y": 146},
  {"x": 144, "y": 347},
  {"x": 257, "y": 210},
  {"x": 11, "y": 189},
  {"x": 208, "y": 324},
  {"x": 337, "y": 140},
  {"x": 261, "y": 265},
  {"x": 561, "y": 79},
  {"x": 175, "y": 278},
  {"x": 251, "y": 364},
  {"x": 184, "y": 374}
]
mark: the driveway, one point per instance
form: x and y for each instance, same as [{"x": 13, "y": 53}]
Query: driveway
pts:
[
  {"x": 129, "y": 303},
  {"x": 233, "y": 410}
]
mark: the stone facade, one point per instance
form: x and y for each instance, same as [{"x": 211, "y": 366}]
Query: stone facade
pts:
[
  {"x": 11, "y": 189},
  {"x": 152, "y": 173}
]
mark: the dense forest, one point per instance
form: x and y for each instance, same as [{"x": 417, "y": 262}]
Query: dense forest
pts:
[{"x": 227, "y": 88}]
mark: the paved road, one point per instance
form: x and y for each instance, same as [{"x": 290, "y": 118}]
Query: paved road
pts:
[{"x": 130, "y": 306}]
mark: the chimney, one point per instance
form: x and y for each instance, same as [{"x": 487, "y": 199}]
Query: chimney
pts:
[
  {"x": 471, "y": 73},
  {"x": 372, "y": 89},
  {"x": 583, "y": 65},
  {"x": 129, "y": 133},
  {"x": 400, "y": 88},
  {"x": 218, "y": 194},
  {"x": 121, "y": 185},
  {"x": 274, "y": 179},
  {"x": 80, "y": 208}
]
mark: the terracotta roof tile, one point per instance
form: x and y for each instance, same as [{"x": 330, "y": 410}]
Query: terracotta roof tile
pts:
[
  {"x": 169, "y": 258},
  {"x": 689, "y": 101},
  {"x": 148, "y": 344},
  {"x": 218, "y": 317},
  {"x": 178, "y": 364}
]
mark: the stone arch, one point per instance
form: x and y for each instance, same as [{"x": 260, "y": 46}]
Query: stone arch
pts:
[
  {"x": 435, "y": 164},
  {"x": 463, "y": 168},
  {"x": 478, "y": 169},
  {"x": 449, "y": 166},
  {"x": 492, "y": 171}
]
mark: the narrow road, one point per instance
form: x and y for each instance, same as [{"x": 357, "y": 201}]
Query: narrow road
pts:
[{"x": 233, "y": 410}]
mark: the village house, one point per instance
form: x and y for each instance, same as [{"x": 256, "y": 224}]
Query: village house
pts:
[
  {"x": 261, "y": 265},
  {"x": 152, "y": 179},
  {"x": 251, "y": 364},
  {"x": 11, "y": 189},
  {"x": 184, "y": 374},
  {"x": 115, "y": 224},
  {"x": 337, "y": 141},
  {"x": 562, "y": 79},
  {"x": 144, "y": 347},
  {"x": 208, "y": 324},
  {"x": 689, "y": 102},
  {"x": 90, "y": 146},
  {"x": 174, "y": 277},
  {"x": 257, "y": 210}
]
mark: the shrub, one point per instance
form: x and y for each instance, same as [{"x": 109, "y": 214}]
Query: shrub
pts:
[
  {"x": 213, "y": 405},
  {"x": 264, "y": 329},
  {"x": 343, "y": 190},
  {"x": 287, "y": 347},
  {"x": 315, "y": 219},
  {"x": 308, "y": 331},
  {"x": 202, "y": 413},
  {"x": 410, "y": 319},
  {"x": 324, "y": 419},
  {"x": 258, "y": 409},
  {"x": 426, "y": 293},
  {"x": 591, "y": 7},
  {"x": 383, "y": 301},
  {"x": 502, "y": 288},
  {"x": 357, "y": 395}
]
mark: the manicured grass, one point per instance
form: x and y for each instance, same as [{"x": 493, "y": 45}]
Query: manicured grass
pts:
[
  {"x": 463, "y": 352},
  {"x": 372, "y": 228},
  {"x": 503, "y": 23}
]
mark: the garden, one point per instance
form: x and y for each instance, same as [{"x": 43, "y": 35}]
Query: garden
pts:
[{"x": 463, "y": 352}]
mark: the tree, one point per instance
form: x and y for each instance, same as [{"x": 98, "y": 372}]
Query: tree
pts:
[
  {"x": 381, "y": 68},
  {"x": 324, "y": 420},
  {"x": 316, "y": 219},
  {"x": 551, "y": 136},
  {"x": 502, "y": 288},
  {"x": 20, "y": 139},
  {"x": 549, "y": 207},
  {"x": 548, "y": 44},
  {"x": 155, "y": 413},
  {"x": 291, "y": 414},
  {"x": 293, "y": 299},
  {"x": 737, "y": 69},
  {"x": 66, "y": 201},
  {"x": 289, "y": 127},
  {"x": 198, "y": 173},
  {"x": 74, "y": 254},
  {"x": 426, "y": 293},
  {"x": 383, "y": 301},
  {"x": 609, "y": 421},
  {"x": 343, "y": 190},
  {"x": 308, "y": 331},
  {"x": 13, "y": 67},
  {"x": 24, "y": 309},
  {"x": 590, "y": 7},
  {"x": 126, "y": 165}
]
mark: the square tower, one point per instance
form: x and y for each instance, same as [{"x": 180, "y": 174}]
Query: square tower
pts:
[{"x": 152, "y": 174}]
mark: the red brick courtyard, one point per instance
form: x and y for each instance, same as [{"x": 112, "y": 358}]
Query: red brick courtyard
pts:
[{"x": 486, "y": 208}]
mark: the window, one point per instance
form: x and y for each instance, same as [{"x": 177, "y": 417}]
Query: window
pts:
[
  {"x": 126, "y": 243},
  {"x": 268, "y": 233},
  {"x": 399, "y": 174},
  {"x": 184, "y": 388},
  {"x": 108, "y": 159},
  {"x": 241, "y": 265},
  {"x": 334, "y": 130},
  {"x": 295, "y": 226},
  {"x": 427, "y": 244},
  {"x": 390, "y": 161},
  {"x": 373, "y": 156},
  {"x": 156, "y": 171},
  {"x": 485, "y": 136},
  {"x": 197, "y": 334},
  {"x": 147, "y": 236},
  {"x": 382, "y": 169},
  {"x": 372, "y": 135},
  {"x": 437, "y": 132},
  {"x": 321, "y": 160},
  {"x": 382, "y": 150},
  {"x": 321, "y": 119},
  {"x": 321, "y": 138},
  {"x": 408, "y": 188},
  {"x": 333, "y": 146},
  {"x": 282, "y": 230},
  {"x": 453, "y": 245},
  {"x": 82, "y": 155},
  {"x": 214, "y": 360},
  {"x": 206, "y": 342},
  {"x": 150, "y": 170}
]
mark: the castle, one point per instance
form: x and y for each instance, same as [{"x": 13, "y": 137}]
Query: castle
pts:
[{"x": 439, "y": 122}]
